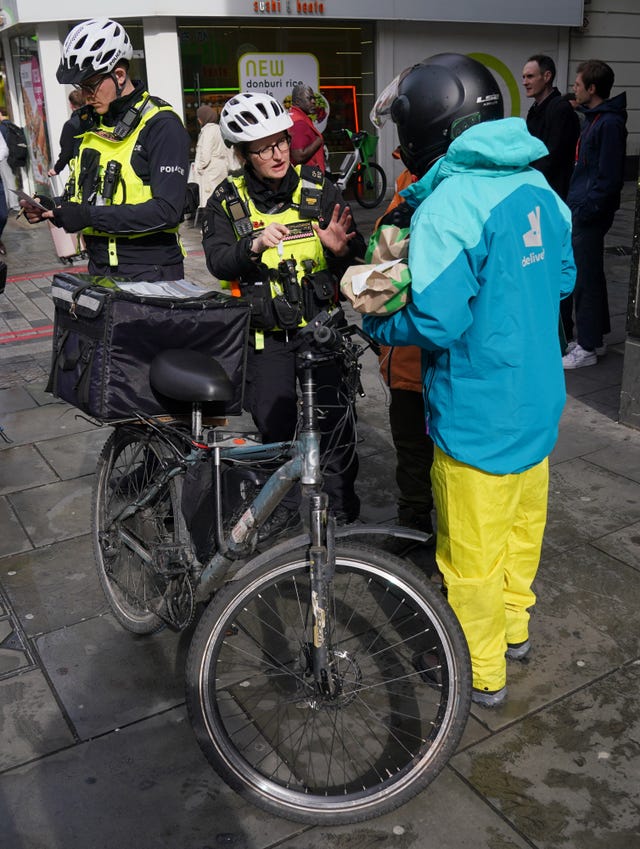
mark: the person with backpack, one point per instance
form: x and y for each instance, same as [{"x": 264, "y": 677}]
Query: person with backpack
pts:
[
  {"x": 129, "y": 180},
  {"x": 281, "y": 235},
  {"x": 6, "y": 171},
  {"x": 16, "y": 140}
]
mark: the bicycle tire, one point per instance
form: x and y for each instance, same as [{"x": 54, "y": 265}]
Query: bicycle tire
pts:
[
  {"x": 128, "y": 462},
  {"x": 258, "y": 721},
  {"x": 369, "y": 193}
]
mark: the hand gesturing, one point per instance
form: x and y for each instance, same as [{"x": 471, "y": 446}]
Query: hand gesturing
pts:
[{"x": 336, "y": 236}]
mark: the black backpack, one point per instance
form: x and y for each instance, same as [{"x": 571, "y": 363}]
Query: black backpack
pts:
[{"x": 17, "y": 143}]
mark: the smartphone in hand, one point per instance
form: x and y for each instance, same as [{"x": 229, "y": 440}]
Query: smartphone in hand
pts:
[{"x": 29, "y": 200}]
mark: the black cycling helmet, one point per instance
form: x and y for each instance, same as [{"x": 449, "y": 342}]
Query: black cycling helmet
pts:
[
  {"x": 433, "y": 102},
  {"x": 93, "y": 47}
]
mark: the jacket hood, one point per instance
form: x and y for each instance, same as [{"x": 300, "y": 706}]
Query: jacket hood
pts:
[
  {"x": 614, "y": 104},
  {"x": 493, "y": 149}
]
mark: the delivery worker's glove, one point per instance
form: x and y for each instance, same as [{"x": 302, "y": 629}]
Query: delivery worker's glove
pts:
[{"x": 72, "y": 216}]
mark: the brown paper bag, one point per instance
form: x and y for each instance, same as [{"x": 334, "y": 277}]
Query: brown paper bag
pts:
[{"x": 380, "y": 289}]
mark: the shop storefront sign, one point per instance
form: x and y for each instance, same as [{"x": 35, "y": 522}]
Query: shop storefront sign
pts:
[
  {"x": 277, "y": 73},
  {"x": 288, "y": 7}
]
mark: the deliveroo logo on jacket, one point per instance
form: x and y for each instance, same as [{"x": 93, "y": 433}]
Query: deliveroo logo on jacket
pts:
[{"x": 533, "y": 238}]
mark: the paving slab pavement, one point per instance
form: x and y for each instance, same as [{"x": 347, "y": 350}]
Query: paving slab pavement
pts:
[{"x": 96, "y": 750}]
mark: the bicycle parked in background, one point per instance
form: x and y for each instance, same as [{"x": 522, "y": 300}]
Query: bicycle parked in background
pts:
[
  {"x": 367, "y": 178},
  {"x": 304, "y": 683}
]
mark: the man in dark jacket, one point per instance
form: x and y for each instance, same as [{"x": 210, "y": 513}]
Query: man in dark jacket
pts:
[
  {"x": 594, "y": 197},
  {"x": 551, "y": 119}
]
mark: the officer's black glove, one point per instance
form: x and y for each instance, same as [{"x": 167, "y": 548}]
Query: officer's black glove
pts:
[
  {"x": 72, "y": 216},
  {"x": 48, "y": 203},
  {"x": 45, "y": 203}
]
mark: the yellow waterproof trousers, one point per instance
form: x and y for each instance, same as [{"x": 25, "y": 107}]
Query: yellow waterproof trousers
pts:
[{"x": 490, "y": 530}]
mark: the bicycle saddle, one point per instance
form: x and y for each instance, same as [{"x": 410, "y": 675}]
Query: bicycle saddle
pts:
[{"x": 189, "y": 376}]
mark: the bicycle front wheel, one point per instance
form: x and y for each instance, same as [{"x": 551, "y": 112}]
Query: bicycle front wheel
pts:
[
  {"x": 370, "y": 185},
  {"x": 126, "y": 548},
  {"x": 383, "y": 735}
]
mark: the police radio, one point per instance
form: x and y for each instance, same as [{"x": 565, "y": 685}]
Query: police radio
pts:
[{"x": 239, "y": 216}]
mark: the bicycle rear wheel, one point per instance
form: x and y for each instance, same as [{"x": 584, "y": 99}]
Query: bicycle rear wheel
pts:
[
  {"x": 267, "y": 732},
  {"x": 126, "y": 549},
  {"x": 370, "y": 185}
]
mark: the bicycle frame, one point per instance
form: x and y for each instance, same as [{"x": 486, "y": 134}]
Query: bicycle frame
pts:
[
  {"x": 359, "y": 169},
  {"x": 299, "y": 642},
  {"x": 235, "y": 551},
  {"x": 348, "y": 166},
  {"x": 303, "y": 467},
  {"x": 307, "y": 674}
]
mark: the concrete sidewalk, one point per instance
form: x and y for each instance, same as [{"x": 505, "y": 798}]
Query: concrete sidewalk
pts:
[{"x": 96, "y": 750}]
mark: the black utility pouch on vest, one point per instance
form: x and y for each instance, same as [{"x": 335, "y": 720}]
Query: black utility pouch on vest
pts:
[
  {"x": 89, "y": 176},
  {"x": 288, "y": 315},
  {"x": 319, "y": 291},
  {"x": 258, "y": 295},
  {"x": 287, "y": 305}
]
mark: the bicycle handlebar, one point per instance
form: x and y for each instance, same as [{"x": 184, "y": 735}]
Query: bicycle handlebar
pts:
[
  {"x": 336, "y": 339},
  {"x": 356, "y": 138},
  {"x": 328, "y": 338}
]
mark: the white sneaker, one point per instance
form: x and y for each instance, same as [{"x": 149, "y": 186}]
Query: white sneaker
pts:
[
  {"x": 600, "y": 351},
  {"x": 577, "y": 357}
]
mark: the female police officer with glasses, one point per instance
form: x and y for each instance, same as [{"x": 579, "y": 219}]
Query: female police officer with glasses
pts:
[{"x": 282, "y": 236}]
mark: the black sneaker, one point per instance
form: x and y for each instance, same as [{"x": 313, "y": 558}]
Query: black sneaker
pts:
[
  {"x": 417, "y": 521},
  {"x": 346, "y": 517},
  {"x": 281, "y": 521},
  {"x": 410, "y": 518}
]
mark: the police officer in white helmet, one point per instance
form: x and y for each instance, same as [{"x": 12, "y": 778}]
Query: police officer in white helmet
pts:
[
  {"x": 128, "y": 181},
  {"x": 282, "y": 236}
]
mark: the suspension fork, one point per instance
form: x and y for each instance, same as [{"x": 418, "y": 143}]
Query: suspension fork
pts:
[
  {"x": 322, "y": 563},
  {"x": 322, "y": 549}
]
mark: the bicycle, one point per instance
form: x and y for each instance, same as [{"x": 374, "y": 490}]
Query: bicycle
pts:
[
  {"x": 305, "y": 683},
  {"x": 370, "y": 180}
]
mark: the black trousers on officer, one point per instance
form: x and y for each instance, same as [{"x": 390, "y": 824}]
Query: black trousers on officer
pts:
[{"x": 271, "y": 398}]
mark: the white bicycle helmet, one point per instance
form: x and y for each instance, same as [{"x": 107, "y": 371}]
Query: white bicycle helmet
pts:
[
  {"x": 93, "y": 47},
  {"x": 248, "y": 117}
]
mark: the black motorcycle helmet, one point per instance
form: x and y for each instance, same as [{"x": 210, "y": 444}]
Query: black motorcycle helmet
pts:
[{"x": 436, "y": 101}]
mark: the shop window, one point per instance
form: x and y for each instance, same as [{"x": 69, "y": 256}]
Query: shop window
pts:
[{"x": 345, "y": 52}]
